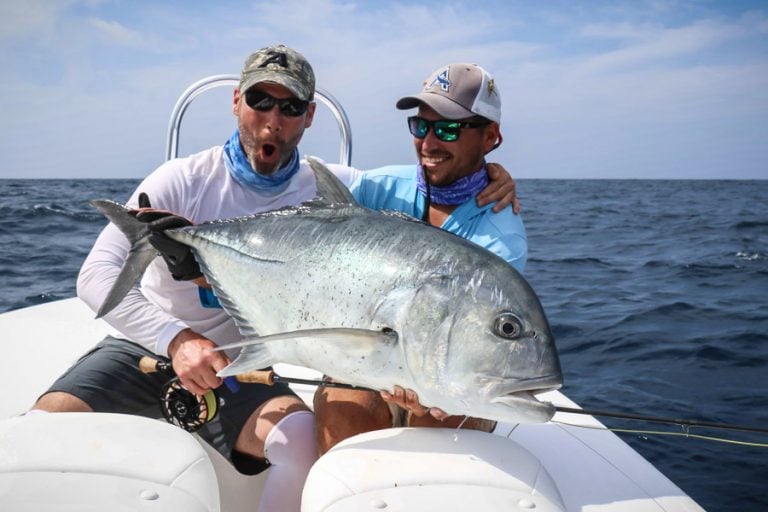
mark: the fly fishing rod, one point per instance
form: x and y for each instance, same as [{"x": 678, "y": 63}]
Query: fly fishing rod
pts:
[
  {"x": 189, "y": 411},
  {"x": 269, "y": 377}
]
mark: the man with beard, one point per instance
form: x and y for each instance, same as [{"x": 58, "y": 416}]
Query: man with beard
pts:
[{"x": 457, "y": 125}]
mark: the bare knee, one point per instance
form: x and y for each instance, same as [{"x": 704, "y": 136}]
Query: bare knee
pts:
[
  {"x": 262, "y": 420},
  {"x": 59, "y": 401},
  {"x": 343, "y": 413}
]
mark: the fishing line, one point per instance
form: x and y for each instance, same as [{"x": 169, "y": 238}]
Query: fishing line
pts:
[
  {"x": 656, "y": 419},
  {"x": 666, "y": 433}
]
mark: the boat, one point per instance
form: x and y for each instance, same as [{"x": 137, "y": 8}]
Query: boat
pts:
[{"x": 88, "y": 461}]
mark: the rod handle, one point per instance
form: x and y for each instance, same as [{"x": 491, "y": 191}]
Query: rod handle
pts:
[
  {"x": 257, "y": 377},
  {"x": 150, "y": 365}
]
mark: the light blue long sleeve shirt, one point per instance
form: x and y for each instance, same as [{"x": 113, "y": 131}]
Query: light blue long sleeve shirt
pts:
[{"x": 395, "y": 187}]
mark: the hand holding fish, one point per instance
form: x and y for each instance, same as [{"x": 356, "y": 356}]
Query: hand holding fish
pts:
[
  {"x": 408, "y": 399},
  {"x": 178, "y": 257},
  {"x": 502, "y": 189},
  {"x": 195, "y": 363}
]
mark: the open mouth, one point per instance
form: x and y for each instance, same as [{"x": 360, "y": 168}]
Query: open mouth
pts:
[
  {"x": 517, "y": 393},
  {"x": 513, "y": 386},
  {"x": 268, "y": 149},
  {"x": 526, "y": 401}
]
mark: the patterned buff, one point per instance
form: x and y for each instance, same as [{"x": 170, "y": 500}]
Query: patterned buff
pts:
[
  {"x": 458, "y": 192},
  {"x": 241, "y": 170}
]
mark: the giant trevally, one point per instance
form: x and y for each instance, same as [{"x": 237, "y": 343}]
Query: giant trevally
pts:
[{"x": 371, "y": 299}]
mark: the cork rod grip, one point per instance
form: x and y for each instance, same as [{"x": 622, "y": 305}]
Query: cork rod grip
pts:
[{"x": 150, "y": 365}]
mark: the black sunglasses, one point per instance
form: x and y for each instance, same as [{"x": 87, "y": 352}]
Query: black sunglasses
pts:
[
  {"x": 263, "y": 102},
  {"x": 447, "y": 131}
]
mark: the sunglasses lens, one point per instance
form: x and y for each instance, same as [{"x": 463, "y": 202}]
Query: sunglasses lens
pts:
[
  {"x": 263, "y": 102},
  {"x": 293, "y": 107},
  {"x": 258, "y": 100},
  {"x": 418, "y": 127},
  {"x": 447, "y": 131}
]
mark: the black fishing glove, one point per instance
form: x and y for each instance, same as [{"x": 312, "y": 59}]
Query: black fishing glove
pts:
[{"x": 178, "y": 257}]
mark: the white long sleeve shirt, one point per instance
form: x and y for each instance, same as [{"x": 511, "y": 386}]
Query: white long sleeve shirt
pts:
[{"x": 200, "y": 188}]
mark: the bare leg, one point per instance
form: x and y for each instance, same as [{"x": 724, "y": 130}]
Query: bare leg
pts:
[
  {"x": 342, "y": 413},
  {"x": 59, "y": 401},
  {"x": 260, "y": 423}
]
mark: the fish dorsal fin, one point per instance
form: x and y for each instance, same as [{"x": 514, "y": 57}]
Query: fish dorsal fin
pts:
[{"x": 329, "y": 188}]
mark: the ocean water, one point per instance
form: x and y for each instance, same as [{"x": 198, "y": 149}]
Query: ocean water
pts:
[{"x": 657, "y": 292}]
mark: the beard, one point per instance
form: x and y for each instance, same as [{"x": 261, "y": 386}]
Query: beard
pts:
[{"x": 268, "y": 154}]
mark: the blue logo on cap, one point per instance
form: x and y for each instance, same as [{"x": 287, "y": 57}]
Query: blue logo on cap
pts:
[{"x": 442, "y": 80}]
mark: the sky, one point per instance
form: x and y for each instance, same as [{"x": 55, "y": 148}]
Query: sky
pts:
[{"x": 590, "y": 89}]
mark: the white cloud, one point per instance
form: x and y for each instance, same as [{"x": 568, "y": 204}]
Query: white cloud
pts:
[
  {"x": 118, "y": 34},
  {"x": 651, "y": 44}
]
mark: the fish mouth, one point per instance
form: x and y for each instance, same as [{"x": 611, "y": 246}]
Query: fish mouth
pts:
[
  {"x": 520, "y": 394},
  {"x": 513, "y": 386}
]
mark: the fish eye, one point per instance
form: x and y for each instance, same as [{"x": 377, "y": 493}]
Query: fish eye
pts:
[{"x": 507, "y": 326}]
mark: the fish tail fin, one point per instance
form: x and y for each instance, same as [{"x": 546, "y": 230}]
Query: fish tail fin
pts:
[{"x": 139, "y": 257}]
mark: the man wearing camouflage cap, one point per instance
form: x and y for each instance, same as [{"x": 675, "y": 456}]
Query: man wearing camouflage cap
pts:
[
  {"x": 173, "y": 319},
  {"x": 174, "y": 316}
]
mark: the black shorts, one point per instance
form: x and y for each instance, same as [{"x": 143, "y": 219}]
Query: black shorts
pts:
[{"x": 108, "y": 379}]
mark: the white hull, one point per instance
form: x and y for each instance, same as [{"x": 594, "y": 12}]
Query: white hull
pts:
[{"x": 109, "y": 462}]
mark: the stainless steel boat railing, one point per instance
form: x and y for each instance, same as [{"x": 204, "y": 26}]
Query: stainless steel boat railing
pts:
[{"x": 212, "y": 82}]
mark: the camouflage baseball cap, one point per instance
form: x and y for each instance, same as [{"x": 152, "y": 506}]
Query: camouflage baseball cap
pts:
[
  {"x": 458, "y": 91},
  {"x": 280, "y": 65}
]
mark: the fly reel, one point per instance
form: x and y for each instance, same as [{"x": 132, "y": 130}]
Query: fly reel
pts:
[
  {"x": 185, "y": 409},
  {"x": 180, "y": 406}
]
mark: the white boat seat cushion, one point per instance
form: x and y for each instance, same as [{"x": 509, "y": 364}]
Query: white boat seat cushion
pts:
[
  {"x": 429, "y": 469},
  {"x": 89, "y": 461}
]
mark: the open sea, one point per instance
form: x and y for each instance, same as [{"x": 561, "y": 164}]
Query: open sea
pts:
[{"x": 657, "y": 292}]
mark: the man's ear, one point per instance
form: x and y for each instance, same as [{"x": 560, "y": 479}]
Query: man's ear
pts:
[
  {"x": 235, "y": 101},
  {"x": 310, "y": 114},
  {"x": 492, "y": 136}
]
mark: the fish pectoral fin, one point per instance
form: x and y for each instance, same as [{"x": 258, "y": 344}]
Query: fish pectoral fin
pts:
[
  {"x": 360, "y": 337},
  {"x": 260, "y": 352},
  {"x": 253, "y": 356}
]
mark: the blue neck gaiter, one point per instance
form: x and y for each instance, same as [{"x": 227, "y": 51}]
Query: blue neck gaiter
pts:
[
  {"x": 240, "y": 169},
  {"x": 458, "y": 192}
]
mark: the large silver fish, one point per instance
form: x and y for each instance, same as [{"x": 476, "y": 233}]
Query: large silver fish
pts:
[{"x": 371, "y": 299}]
